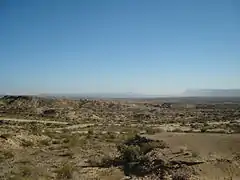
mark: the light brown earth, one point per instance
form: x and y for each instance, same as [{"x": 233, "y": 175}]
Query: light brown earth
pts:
[
  {"x": 57, "y": 138},
  {"x": 218, "y": 151}
]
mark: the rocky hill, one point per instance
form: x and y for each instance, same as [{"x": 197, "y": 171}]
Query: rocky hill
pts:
[{"x": 76, "y": 111}]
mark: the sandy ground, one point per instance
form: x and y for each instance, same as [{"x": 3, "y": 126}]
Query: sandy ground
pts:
[{"x": 219, "y": 151}]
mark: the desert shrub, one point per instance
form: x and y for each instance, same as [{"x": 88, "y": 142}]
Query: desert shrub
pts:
[
  {"x": 107, "y": 161},
  {"x": 26, "y": 171},
  {"x": 150, "y": 131},
  {"x": 56, "y": 141},
  {"x": 153, "y": 130},
  {"x": 136, "y": 156},
  {"x": 44, "y": 142},
  {"x": 51, "y": 134},
  {"x": 236, "y": 128},
  {"x": 34, "y": 128},
  {"x": 26, "y": 143},
  {"x": 195, "y": 126},
  {"x": 205, "y": 124},
  {"x": 135, "y": 148},
  {"x": 49, "y": 112},
  {"x": 130, "y": 153},
  {"x": 65, "y": 172},
  {"x": 23, "y": 172},
  {"x": 73, "y": 140},
  {"x": 140, "y": 141},
  {"x": 183, "y": 149},
  {"x": 5, "y": 136},
  {"x": 204, "y": 129},
  {"x": 66, "y": 140},
  {"x": 90, "y": 132},
  {"x": 65, "y": 130},
  {"x": 236, "y": 156},
  {"x": 109, "y": 137},
  {"x": 195, "y": 154},
  {"x": 6, "y": 154},
  {"x": 177, "y": 130},
  {"x": 180, "y": 175},
  {"x": 183, "y": 123},
  {"x": 69, "y": 154}
]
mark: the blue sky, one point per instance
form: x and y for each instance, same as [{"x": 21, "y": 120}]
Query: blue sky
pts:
[{"x": 140, "y": 46}]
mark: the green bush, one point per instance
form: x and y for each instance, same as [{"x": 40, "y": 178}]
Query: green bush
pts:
[
  {"x": 136, "y": 147},
  {"x": 130, "y": 153},
  {"x": 134, "y": 156}
]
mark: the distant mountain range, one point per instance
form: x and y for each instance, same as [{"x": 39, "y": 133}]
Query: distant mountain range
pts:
[
  {"x": 95, "y": 95},
  {"x": 212, "y": 93},
  {"x": 187, "y": 93}
]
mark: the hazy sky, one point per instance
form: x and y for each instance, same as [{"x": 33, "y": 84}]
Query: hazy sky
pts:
[{"x": 140, "y": 46}]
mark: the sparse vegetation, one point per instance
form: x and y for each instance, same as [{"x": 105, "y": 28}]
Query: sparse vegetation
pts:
[
  {"x": 5, "y": 154},
  {"x": 181, "y": 175},
  {"x": 65, "y": 171},
  {"x": 34, "y": 128},
  {"x": 44, "y": 142},
  {"x": 154, "y": 130},
  {"x": 26, "y": 143},
  {"x": 106, "y": 134},
  {"x": 195, "y": 154},
  {"x": 204, "y": 129},
  {"x": 183, "y": 149},
  {"x": 179, "y": 130}
]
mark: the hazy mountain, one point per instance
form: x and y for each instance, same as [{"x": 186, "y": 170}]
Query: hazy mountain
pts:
[
  {"x": 212, "y": 92},
  {"x": 95, "y": 95},
  {"x": 187, "y": 93}
]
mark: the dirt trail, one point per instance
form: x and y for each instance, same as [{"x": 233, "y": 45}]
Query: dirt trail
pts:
[
  {"x": 31, "y": 120},
  {"x": 76, "y": 126}
]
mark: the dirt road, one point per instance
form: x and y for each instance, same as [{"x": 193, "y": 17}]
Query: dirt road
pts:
[{"x": 31, "y": 120}]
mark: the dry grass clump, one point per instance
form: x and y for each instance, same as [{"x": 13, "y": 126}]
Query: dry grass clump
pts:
[
  {"x": 181, "y": 175},
  {"x": 179, "y": 130},
  {"x": 152, "y": 131},
  {"x": 44, "y": 142},
  {"x": 26, "y": 143},
  {"x": 195, "y": 154},
  {"x": 35, "y": 128},
  {"x": 5, "y": 154},
  {"x": 183, "y": 149},
  {"x": 65, "y": 171}
]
